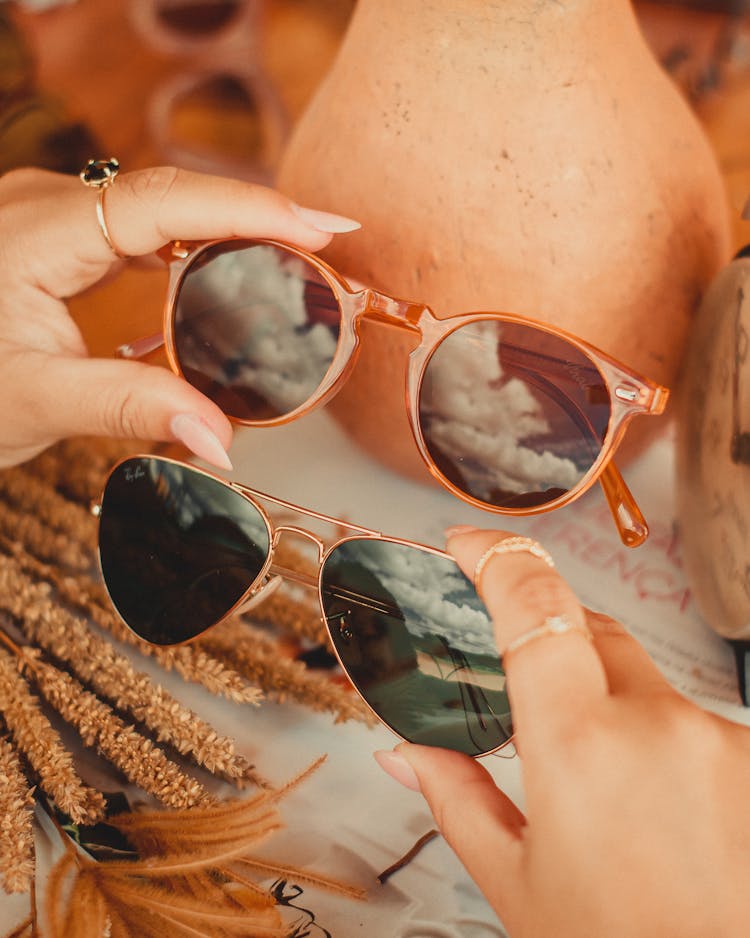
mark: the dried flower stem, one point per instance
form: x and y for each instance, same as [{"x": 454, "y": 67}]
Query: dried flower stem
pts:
[
  {"x": 256, "y": 656},
  {"x": 111, "y": 675},
  {"x": 22, "y": 491},
  {"x": 188, "y": 661},
  {"x": 16, "y": 822},
  {"x": 34, "y": 736},
  {"x": 41, "y": 540},
  {"x": 293, "y": 617},
  {"x": 136, "y": 757},
  {"x": 24, "y": 930},
  {"x": 77, "y": 467}
]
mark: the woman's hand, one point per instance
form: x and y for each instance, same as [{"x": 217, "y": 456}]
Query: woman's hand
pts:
[
  {"x": 51, "y": 247},
  {"x": 636, "y": 820}
]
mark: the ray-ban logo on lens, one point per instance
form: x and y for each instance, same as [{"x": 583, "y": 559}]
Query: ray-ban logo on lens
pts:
[{"x": 134, "y": 472}]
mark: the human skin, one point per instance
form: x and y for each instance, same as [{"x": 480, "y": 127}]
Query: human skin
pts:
[
  {"x": 635, "y": 820},
  {"x": 52, "y": 248}
]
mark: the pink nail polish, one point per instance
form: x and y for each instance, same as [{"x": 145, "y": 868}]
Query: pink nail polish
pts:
[
  {"x": 191, "y": 431},
  {"x": 325, "y": 221},
  {"x": 395, "y": 765},
  {"x": 458, "y": 529}
]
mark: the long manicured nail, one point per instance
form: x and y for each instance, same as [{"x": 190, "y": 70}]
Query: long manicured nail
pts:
[
  {"x": 191, "y": 431},
  {"x": 395, "y": 765},
  {"x": 458, "y": 529},
  {"x": 325, "y": 221}
]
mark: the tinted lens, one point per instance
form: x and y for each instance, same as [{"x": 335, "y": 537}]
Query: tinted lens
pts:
[
  {"x": 197, "y": 19},
  {"x": 511, "y": 415},
  {"x": 255, "y": 328},
  {"x": 178, "y": 549},
  {"x": 417, "y": 643}
]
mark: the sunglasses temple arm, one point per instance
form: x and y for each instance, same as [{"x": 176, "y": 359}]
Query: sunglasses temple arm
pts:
[
  {"x": 631, "y": 525},
  {"x": 140, "y": 348}
]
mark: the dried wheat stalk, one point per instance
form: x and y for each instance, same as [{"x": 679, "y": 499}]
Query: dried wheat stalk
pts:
[
  {"x": 112, "y": 676},
  {"x": 134, "y": 755},
  {"x": 34, "y": 736},
  {"x": 16, "y": 822},
  {"x": 254, "y": 654},
  {"x": 91, "y": 598}
]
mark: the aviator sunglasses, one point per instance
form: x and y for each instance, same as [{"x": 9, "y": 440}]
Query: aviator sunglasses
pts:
[
  {"x": 181, "y": 549},
  {"x": 510, "y": 415}
]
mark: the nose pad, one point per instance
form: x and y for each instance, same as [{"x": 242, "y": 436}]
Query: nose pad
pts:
[{"x": 261, "y": 593}]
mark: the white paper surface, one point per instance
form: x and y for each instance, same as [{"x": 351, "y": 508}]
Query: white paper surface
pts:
[{"x": 352, "y": 821}]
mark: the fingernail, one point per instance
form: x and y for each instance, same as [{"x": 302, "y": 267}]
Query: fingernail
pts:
[
  {"x": 199, "y": 439},
  {"x": 458, "y": 529},
  {"x": 325, "y": 221},
  {"x": 395, "y": 765}
]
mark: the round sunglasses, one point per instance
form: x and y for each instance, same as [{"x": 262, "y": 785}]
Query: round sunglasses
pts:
[
  {"x": 511, "y": 415},
  {"x": 181, "y": 549}
]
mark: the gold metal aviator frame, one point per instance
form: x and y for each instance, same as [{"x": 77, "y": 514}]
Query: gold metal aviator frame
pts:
[
  {"x": 346, "y": 611},
  {"x": 629, "y": 394}
]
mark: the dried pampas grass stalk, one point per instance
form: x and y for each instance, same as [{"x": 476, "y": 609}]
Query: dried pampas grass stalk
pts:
[
  {"x": 16, "y": 824},
  {"x": 112, "y": 676},
  {"x": 134, "y": 755},
  {"x": 30, "y": 495},
  {"x": 41, "y": 540},
  {"x": 188, "y": 879},
  {"x": 255, "y": 655},
  {"x": 34, "y": 737},
  {"x": 188, "y": 661},
  {"x": 77, "y": 467}
]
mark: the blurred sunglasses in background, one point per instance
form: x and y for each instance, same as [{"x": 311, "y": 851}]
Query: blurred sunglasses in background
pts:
[
  {"x": 35, "y": 127},
  {"x": 181, "y": 549},
  {"x": 220, "y": 113},
  {"x": 510, "y": 415}
]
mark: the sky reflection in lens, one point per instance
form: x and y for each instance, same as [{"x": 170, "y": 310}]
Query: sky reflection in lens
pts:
[
  {"x": 512, "y": 415},
  {"x": 418, "y": 644},
  {"x": 256, "y": 328}
]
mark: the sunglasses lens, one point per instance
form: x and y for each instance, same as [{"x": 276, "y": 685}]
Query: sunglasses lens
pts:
[
  {"x": 255, "y": 328},
  {"x": 512, "y": 415},
  {"x": 197, "y": 18},
  {"x": 178, "y": 549},
  {"x": 417, "y": 643}
]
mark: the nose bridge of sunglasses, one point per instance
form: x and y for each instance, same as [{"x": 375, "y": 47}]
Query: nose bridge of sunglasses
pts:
[
  {"x": 392, "y": 311},
  {"x": 282, "y": 570}
]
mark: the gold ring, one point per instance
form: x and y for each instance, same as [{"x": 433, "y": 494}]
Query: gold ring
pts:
[
  {"x": 512, "y": 545},
  {"x": 100, "y": 175},
  {"x": 553, "y": 625}
]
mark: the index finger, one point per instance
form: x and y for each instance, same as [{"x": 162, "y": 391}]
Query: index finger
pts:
[
  {"x": 554, "y": 676},
  {"x": 147, "y": 208}
]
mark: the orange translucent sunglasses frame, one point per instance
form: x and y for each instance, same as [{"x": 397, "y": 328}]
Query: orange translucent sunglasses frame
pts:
[{"x": 630, "y": 394}]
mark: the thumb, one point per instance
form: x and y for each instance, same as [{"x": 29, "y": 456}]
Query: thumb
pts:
[
  {"x": 479, "y": 821},
  {"x": 100, "y": 397}
]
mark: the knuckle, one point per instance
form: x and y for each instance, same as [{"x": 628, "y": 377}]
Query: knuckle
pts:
[
  {"x": 122, "y": 417},
  {"x": 151, "y": 185},
  {"x": 544, "y": 591},
  {"x": 19, "y": 179}
]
